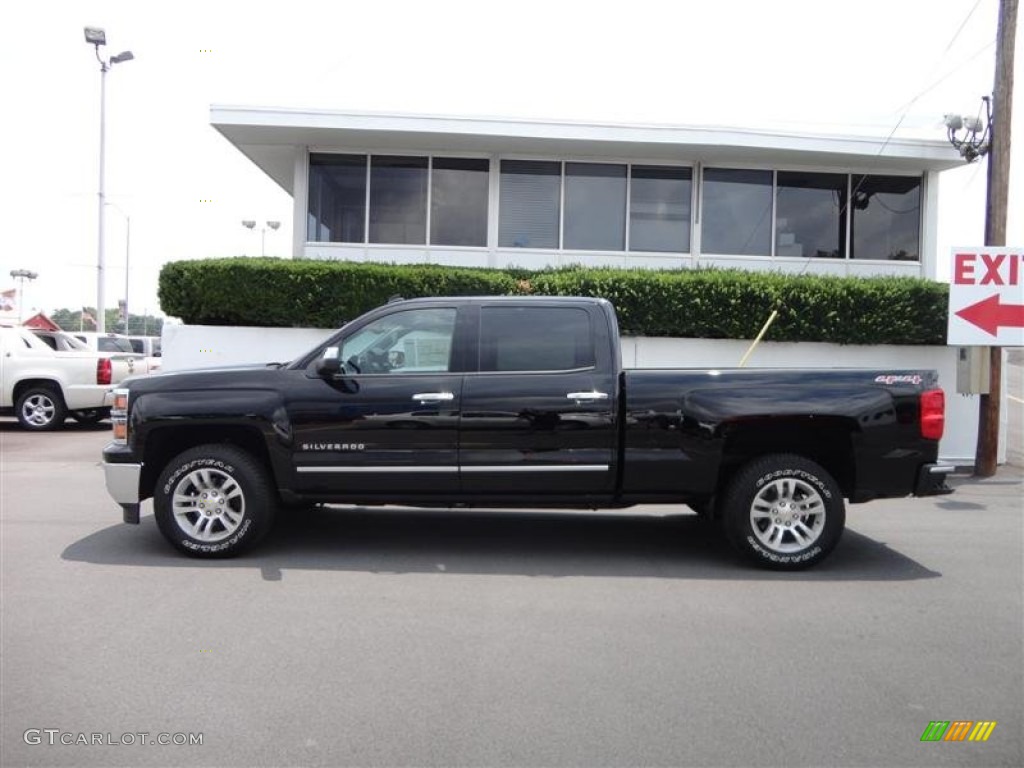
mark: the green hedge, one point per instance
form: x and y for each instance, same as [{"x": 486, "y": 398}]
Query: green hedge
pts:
[
  {"x": 304, "y": 293},
  {"x": 702, "y": 303},
  {"x": 734, "y": 304}
]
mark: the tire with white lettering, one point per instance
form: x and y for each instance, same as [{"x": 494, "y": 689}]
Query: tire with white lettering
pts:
[
  {"x": 784, "y": 512},
  {"x": 214, "y": 501}
]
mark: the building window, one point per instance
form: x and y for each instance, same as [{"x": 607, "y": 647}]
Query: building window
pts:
[
  {"x": 886, "y": 221},
  {"x": 531, "y": 193},
  {"x": 458, "y": 201},
  {"x": 659, "y": 209},
  {"x": 737, "y": 216},
  {"x": 398, "y": 200},
  {"x": 810, "y": 215},
  {"x": 337, "y": 198},
  {"x": 444, "y": 201},
  {"x": 595, "y": 207},
  {"x": 337, "y": 211}
]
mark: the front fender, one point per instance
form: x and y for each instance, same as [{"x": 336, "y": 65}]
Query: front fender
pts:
[{"x": 162, "y": 424}]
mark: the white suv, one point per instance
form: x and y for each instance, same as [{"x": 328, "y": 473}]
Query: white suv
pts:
[{"x": 124, "y": 363}]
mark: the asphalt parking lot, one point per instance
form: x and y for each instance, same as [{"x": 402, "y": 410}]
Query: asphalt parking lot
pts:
[{"x": 401, "y": 637}]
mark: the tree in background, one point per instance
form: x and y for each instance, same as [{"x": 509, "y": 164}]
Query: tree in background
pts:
[{"x": 84, "y": 319}]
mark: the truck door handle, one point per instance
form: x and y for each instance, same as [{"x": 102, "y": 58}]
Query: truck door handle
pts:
[
  {"x": 433, "y": 397},
  {"x": 586, "y": 397}
]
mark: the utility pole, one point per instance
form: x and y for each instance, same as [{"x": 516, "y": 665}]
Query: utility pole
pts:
[{"x": 995, "y": 225}]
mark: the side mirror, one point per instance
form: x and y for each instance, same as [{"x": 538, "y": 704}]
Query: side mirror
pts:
[{"x": 329, "y": 364}]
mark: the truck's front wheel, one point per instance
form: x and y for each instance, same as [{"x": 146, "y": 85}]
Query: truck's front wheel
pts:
[
  {"x": 784, "y": 512},
  {"x": 213, "y": 501}
]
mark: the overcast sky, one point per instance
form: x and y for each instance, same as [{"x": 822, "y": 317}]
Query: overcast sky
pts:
[{"x": 804, "y": 64}]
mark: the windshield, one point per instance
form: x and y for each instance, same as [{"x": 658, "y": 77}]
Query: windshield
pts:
[{"x": 114, "y": 344}]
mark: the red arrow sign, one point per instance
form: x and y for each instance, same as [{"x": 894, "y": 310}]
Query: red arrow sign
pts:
[{"x": 988, "y": 314}]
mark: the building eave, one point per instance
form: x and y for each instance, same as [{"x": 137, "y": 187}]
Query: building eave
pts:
[{"x": 272, "y": 137}]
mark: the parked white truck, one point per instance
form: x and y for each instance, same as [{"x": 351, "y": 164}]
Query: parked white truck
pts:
[
  {"x": 124, "y": 364},
  {"x": 42, "y": 387}
]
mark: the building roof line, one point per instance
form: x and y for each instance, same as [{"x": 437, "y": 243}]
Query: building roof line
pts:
[{"x": 231, "y": 114}]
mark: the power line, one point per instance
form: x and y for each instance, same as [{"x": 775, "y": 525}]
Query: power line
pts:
[
  {"x": 948, "y": 75},
  {"x": 905, "y": 110},
  {"x": 946, "y": 50},
  {"x": 961, "y": 27}
]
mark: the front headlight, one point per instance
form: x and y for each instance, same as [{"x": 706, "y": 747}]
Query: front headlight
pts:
[{"x": 119, "y": 416}]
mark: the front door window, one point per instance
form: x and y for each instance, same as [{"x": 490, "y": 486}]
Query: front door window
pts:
[{"x": 411, "y": 341}]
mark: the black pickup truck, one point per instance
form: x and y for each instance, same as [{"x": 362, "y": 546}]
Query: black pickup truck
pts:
[{"x": 518, "y": 402}]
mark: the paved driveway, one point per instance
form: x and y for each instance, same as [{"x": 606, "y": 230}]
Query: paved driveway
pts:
[{"x": 399, "y": 637}]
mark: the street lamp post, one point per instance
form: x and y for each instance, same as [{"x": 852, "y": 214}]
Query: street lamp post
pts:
[
  {"x": 251, "y": 224},
  {"x": 21, "y": 275},
  {"x": 127, "y": 258},
  {"x": 96, "y": 37},
  {"x": 970, "y": 136}
]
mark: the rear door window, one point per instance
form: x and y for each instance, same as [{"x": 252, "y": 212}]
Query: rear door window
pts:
[{"x": 535, "y": 339}]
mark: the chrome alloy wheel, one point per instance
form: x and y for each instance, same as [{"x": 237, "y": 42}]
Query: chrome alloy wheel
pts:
[
  {"x": 38, "y": 410},
  {"x": 787, "y": 515},
  {"x": 208, "y": 505}
]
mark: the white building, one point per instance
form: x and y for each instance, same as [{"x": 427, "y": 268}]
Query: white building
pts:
[{"x": 530, "y": 193}]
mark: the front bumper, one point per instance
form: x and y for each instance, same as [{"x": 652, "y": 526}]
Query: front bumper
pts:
[
  {"x": 123, "y": 486},
  {"x": 931, "y": 480}
]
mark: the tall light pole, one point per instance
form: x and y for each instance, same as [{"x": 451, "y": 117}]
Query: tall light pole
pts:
[
  {"x": 21, "y": 275},
  {"x": 97, "y": 37},
  {"x": 127, "y": 258},
  {"x": 251, "y": 224}
]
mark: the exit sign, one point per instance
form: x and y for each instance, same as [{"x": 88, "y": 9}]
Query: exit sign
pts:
[{"x": 986, "y": 297}]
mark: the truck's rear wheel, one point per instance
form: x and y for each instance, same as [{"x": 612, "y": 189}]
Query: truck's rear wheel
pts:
[
  {"x": 41, "y": 408},
  {"x": 213, "y": 501},
  {"x": 784, "y": 512}
]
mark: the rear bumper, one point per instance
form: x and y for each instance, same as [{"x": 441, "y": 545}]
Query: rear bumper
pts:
[
  {"x": 931, "y": 480},
  {"x": 88, "y": 396}
]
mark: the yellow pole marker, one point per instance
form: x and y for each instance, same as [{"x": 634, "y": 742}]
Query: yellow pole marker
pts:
[{"x": 764, "y": 330}]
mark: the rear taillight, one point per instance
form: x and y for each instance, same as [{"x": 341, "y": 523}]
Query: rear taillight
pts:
[
  {"x": 119, "y": 416},
  {"x": 933, "y": 414},
  {"x": 104, "y": 370}
]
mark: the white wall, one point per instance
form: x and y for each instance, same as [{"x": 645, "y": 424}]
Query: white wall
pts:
[
  {"x": 207, "y": 346},
  {"x": 197, "y": 346}
]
